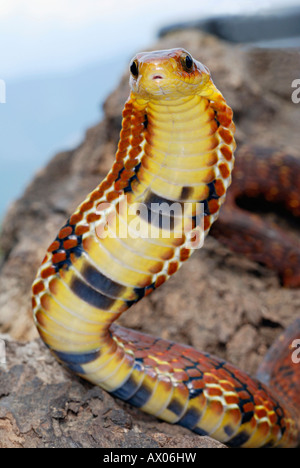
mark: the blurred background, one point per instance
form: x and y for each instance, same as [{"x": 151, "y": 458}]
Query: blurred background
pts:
[{"x": 59, "y": 61}]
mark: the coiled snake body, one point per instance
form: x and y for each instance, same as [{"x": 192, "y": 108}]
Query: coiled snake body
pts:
[{"x": 176, "y": 146}]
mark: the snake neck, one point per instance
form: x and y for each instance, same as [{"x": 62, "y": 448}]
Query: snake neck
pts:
[{"x": 175, "y": 151}]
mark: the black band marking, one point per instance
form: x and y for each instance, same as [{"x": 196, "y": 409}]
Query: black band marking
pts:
[{"x": 90, "y": 295}]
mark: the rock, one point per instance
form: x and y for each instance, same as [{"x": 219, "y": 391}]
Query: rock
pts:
[
  {"x": 267, "y": 25},
  {"x": 43, "y": 409}
]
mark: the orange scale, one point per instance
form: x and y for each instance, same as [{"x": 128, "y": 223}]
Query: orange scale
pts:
[
  {"x": 76, "y": 218},
  {"x": 231, "y": 399},
  {"x": 70, "y": 243},
  {"x": 59, "y": 257},
  {"x": 184, "y": 254},
  {"x": 138, "y": 129},
  {"x": 38, "y": 287},
  {"x": 224, "y": 169},
  {"x": 191, "y": 354},
  {"x": 92, "y": 217},
  {"x": 65, "y": 232},
  {"x": 118, "y": 165},
  {"x": 134, "y": 152},
  {"x": 207, "y": 222},
  {"x": 224, "y": 119},
  {"x": 207, "y": 366},
  {"x": 150, "y": 362},
  {"x": 173, "y": 267},
  {"x": 214, "y": 391},
  {"x": 136, "y": 140},
  {"x": 261, "y": 413},
  {"x": 192, "y": 373},
  {"x": 213, "y": 206},
  {"x": 243, "y": 395},
  {"x": 139, "y": 354},
  {"x": 181, "y": 363},
  {"x": 227, "y": 153},
  {"x": 123, "y": 144},
  {"x": 86, "y": 206},
  {"x": 198, "y": 384},
  {"x": 127, "y": 111},
  {"x": 111, "y": 178},
  {"x": 164, "y": 368},
  {"x": 180, "y": 376},
  {"x": 220, "y": 188},
  {"x": 222, "y": 373},
  {"x": 248, "y": 408},
  {"x": 131, "y": 163},
  {"x": 112, "y": 196},
  {"x": 210, "y": 379},
  {"x": 226, "y": 136},
  {"x": 120, "y": 155},
  {"x": 137, "y": 119},
  {"x": 235, "y": 383},
  {"x": 160, "y": 280},
  {"x": 125, "y": 133},
  {"x": 127, "y": 174},
  {"x": 48, "y": 272},
  {"x": 54, "y": 246},
  {"x": 227, "y": 386},
  {"x": 82, "y": 229}
]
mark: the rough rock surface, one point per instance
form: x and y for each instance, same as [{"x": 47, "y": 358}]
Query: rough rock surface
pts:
[
  {"x": 43, "y": 406},
  {"x": 218, "y": 301}
]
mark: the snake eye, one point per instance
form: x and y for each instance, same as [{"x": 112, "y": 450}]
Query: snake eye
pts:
[
  {"x": 188, "y": 62},
  {"x": 134, "y": 69}
]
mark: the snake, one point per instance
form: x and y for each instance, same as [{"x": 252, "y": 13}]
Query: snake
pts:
[
  {"x": 169, "y": 179},
  {"x": 269, "y": 180}
]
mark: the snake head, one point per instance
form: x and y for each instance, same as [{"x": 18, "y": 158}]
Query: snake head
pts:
[{"x": 169, "y": 74}]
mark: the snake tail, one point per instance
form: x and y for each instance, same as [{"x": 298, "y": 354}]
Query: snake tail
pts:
[
  {"x": 265, "y": 179},
  {"x": 176, "y": 150}
]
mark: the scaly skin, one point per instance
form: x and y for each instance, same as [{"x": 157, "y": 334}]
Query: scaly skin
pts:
[
  {"x": 176, "y": 144},
  {"x": 265, "y": 177}
]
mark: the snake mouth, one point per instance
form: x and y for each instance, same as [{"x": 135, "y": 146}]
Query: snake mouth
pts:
[{"x": 157, "y": 77}]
